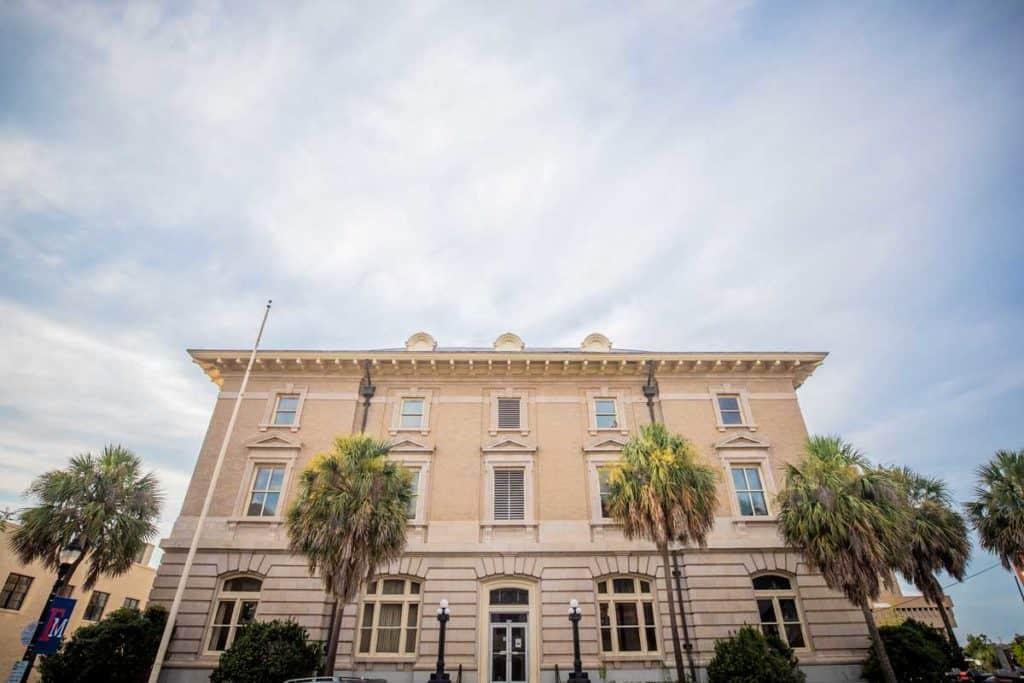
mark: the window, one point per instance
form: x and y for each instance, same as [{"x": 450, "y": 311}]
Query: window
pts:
[
  {"x": 749, "y": 491},
  {"x": 266, "y": 491},
  {"x": 604, "y": 490},
  {"x": 510, "y": 596},
  {"x": 626, "y": 609},
  {"x": 131, "y": 603},
  {"x": 412, "y": 413},
  {"x": 15, "y": 589},
  {"x": 66, "y": 590},
  {"x": 390, "y": 617},
  {"x": 411, "y": 510},
  {"x": 509, "y": 413},
  {"x": 729, "y": 409},
  {"x": 97, "y": 603},
  {"x": 509, "y": 494},
  {"x": 287, "y": 409},
  {"x": 236, "y": 607},
  {"x": 777, "y": 608},
  {"x": 605, "y": 414}
]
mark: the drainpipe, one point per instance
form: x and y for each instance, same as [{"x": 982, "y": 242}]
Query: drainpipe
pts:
[
  {"x": 366, "y": 390},
  {"x": 650, "y": 390}
]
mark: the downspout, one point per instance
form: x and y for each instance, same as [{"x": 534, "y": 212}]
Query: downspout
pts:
[
  {"x": 366, "y": 390},
  {"x": 651, "y": 390}
]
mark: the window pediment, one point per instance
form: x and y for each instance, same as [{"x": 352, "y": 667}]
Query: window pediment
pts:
[
  {"x": 273, "y": 441},
  {"x": 605, "y": 445},
  {"x": 508, "y": 446},
  {"x": 742, "y": 441},
  {"x": 410, "y": 446}
]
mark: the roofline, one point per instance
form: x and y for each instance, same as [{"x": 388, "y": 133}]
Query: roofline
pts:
[{"x": 796, "y": 364}]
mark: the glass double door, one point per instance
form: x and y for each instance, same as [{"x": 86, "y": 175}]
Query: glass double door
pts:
[{"x": 508, "y": 647}]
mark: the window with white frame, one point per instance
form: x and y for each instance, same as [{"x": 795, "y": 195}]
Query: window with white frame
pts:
[
  {"x": 97, "y": 603},
  {"x": 509, "y": 413},
  {"x": 390, "y": 617},
  {"x": 747, "y": 481},
  {"x": 509, "y": 494},
  {"x": 286, "y": 409},
  {"x": 412, "y": 414},
  {"x": 626, "y": 610},
  {"x": 778, "y": 609},
  {"x": 604, "y": 490},
  {"x": 235, "y": 608},
  {"x": 412, "y": 508},
  {"x": 265, "y": 494},
  {"x": 606, "y": 413},
  {"x": 729, "y": 410}
]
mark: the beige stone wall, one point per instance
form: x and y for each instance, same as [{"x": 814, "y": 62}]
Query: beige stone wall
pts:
[
  {"x": 455, "y": 549},
  {"x": 137, "y": 583}
]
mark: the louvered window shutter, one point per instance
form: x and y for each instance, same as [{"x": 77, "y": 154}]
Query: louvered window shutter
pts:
[
  {"x": 509, "y": 495},
  {"x": 508, "y": 413}
]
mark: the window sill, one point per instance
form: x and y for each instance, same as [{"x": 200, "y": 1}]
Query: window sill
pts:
[
  {"x": 265, "y": 427},
  {"x": 605, "y": 522},
  {"x": 8, "y": 610},
  {"x": 517, "y": 430},
  {"x": 508, "y": 522},
  {"x": 751, "y": 427},
  {"x": 385, "y": 657},
  {"x": 262, "y": 521},
  {"x": 408, "y": 430},
  {"x": 755, "y": 520},
  {"x": 631, "y": 656}
]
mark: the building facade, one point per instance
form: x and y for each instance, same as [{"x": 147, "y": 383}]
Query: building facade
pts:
[
  {"x": 27, "y": 587},
  {"x": 508, "y": 446},
  {"x": 894, "y": 607}
]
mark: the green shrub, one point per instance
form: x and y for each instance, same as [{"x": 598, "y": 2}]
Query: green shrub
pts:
[
  {"x": 918, "y": 652},
  {"x": 750, "y": 657},
  {"x": 118, "y": 649},
  {"x": 268, "y": 652}
]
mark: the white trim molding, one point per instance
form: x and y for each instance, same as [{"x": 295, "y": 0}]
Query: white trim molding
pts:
[
  {"x": 621, "y": 398},
  {"x": 396, "y": 398},
  {"x": 268, "y": 411},
  {"x": 524, "y": 410},
  {"x": 746, "y": 414},
  {"x": 272, "y": 450},
  {"x": 739, "y": 451}
]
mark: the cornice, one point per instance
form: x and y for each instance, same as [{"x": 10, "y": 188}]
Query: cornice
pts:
[{"x": 219, "y": 363}]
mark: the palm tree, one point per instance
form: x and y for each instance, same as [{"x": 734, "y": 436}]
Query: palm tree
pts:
[
  {"x": 845, "y": 518},
  {"x": 936, "y": 540},
  {"x": 105, "y": 500},
  {"x": 998, "y": 513},
  {"x": 349, "y": 518},
  {"x": 659, "y": 491}
]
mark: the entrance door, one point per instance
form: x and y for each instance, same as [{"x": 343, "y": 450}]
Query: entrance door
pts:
[{"x": 508, "y": 647}]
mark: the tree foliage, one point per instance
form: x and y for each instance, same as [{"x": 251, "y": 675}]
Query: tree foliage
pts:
[
  {"x": 751, "y": 657},
  {"x": 105, "y": 500},
  {"x": 660, "y": 491},
  {"x": 918, "y": 652},
  {"x": 982, "y": 650},
  {"x": 997, "y": 512},
  {"x": 118, "y": 649},
  {"x": 268, "y": 652}
]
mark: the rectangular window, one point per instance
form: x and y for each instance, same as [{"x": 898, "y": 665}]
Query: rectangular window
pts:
[
  {"x": 390, "y": 617},
  {"x": 508, "y": 413},
  {"x": 412, "y": 413},
  {"x": 509, "y": 494},
  {"x": 97, "y": 603},
  {"x": 604, "y": 491},
  {"x": 604, "y": 413},
  {"x": 410, "y": 511},
  {"x": 266, "y": 491},
  {"x": 131, "y": 603},
  {"x": 15, "y": 589},
  {"x": 286, "y": 409},
  {"x": 627, "y": 622},
  {"x": 729, "y": 409},
  {"x": 749, "y": 491}
]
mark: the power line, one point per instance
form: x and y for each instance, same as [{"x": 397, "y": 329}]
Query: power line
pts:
[{"x": 947, "y": 586}]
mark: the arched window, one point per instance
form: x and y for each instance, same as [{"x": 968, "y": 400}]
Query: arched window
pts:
[
  {"x": 626, "y": 605},
  {"x": 235, "y": 607},
  {"x": 778, "y": 609},
  {"x": 391, "y": 611}
]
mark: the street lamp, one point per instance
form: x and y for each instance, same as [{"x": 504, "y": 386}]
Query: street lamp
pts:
[
  {"x": 443, "y": 613},
  {"x": 577, "y": 666},
  {"x": 69, "y": 556}
]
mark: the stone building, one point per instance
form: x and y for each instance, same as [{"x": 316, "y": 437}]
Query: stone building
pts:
[
  {"x": 27, "y": 587},
  {"x": 507, "y": 445}
]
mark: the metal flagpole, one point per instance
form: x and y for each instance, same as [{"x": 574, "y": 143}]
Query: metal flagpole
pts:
[{"x": 169, "y": 626}]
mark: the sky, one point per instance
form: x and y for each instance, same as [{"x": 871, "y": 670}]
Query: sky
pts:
[{"x": 844, "y": 177}]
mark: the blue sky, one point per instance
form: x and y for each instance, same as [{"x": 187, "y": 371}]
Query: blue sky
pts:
[{"x": 699, "y": 176}]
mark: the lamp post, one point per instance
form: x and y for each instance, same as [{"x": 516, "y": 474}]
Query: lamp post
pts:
[
  {"x": 443, "y": 613},
  {"x": 69, "y": 556},
  {"x": 577, "y": 665}
]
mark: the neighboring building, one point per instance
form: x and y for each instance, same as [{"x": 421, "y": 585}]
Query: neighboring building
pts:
[
  {"x": 894, "y": 608},
  {"x": 508, "y": 445},
  {"x": 26, "y": 589}
]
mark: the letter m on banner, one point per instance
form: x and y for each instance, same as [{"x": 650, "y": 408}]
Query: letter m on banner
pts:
[{"x": 54, "y": 625}]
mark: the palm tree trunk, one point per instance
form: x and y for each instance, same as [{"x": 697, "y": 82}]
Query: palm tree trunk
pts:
[
  {"x": 876, "y": 638},
  {"x": 958, "y": 654},
  {"x": 332, "y": 638},
  {"x": 680, "y": 671}
]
